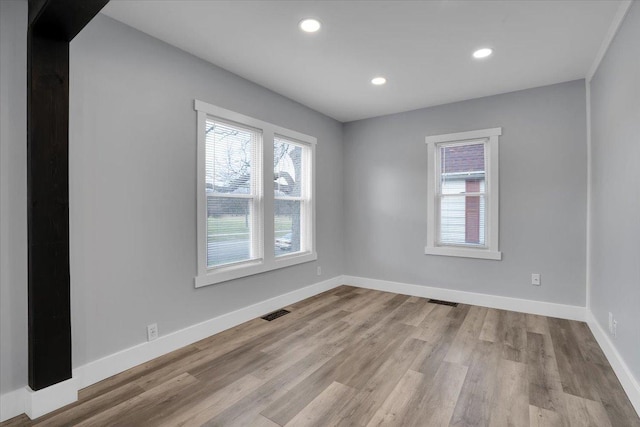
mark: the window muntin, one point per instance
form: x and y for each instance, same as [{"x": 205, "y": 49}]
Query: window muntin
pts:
[
  {"x": 292, "y": 195},
  {"x": 233, "y": 210}
]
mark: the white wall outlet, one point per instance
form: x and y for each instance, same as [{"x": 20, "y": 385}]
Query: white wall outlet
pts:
[
  {"x": 152, "y": 332},
  {"x": 319, "y": 271},
  {"x": 535, "y": 279},
  {"x": 614, "y": 331},
  {"x": 610, "y": 323}
]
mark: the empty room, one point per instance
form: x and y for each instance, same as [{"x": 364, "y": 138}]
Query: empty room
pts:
[{"x": 320, "y": 213}]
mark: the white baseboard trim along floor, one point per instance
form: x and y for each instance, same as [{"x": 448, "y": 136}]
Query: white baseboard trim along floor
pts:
[
  {"x": 38, "y": 403},
  {"x": 571, "y": 312}
]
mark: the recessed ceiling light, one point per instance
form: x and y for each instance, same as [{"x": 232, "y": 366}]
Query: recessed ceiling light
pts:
[
  {"x": 378, "y": 81},
  {"x": 309, "y": 25},
  {"x": 482, "y": 53}
]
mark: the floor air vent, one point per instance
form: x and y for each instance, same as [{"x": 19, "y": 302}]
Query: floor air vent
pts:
[
  {"x": 275, "y": 315},
  {"x": 449, "y": 303}
]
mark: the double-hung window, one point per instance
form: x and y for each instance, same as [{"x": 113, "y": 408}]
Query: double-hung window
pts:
[
  {"x": 233, "y": 193},
  {"x": 463, "y": 195},
  {"x": 292, "y": 194},
  {"x": 251, "y": 218}
]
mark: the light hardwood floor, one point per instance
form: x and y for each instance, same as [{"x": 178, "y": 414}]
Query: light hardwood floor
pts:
[{"x": 365, "y": 358}]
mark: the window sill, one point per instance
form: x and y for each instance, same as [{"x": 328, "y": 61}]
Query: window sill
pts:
[
  {"x": 243, "y": 270},
  {"x": 463, "y": 252}
]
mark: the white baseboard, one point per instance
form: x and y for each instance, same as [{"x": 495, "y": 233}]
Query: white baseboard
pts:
[
  {"x": 38, "y": 403},
  {"x": 629, "y": 382},
  {"x": 118, "y": 362},
  {"x": 563, "y": 311},
  {"x": 12, "y": 404},
  {"x": 41, "y": 402}
]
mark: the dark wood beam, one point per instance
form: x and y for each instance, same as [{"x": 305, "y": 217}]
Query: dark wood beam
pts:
[
  {"x": 62, "y": 19},
  {"x": 35, "y": 7},
  {"x": 52, "y": 25},
  {"x": 48, "y": 212}
]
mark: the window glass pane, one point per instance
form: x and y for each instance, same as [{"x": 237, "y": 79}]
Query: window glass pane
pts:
[
  {"x": 288, "y": 226},
  {"x": 460, "y": 163},
  {"x": 289, "y": 173},
  {"x": 462, "y": 220},
  {"x": 287, "y": 168},
  {"x": 229, "y": 223},
  {"x": 230, "y": 152}
]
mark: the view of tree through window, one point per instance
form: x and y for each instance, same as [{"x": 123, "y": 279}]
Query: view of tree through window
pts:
[
  {"x": 243, "y": 226},
  {"x": 289, "y": 194},
  {"x": 231, "y": 193},
  {"x": 462, "y": 194}
]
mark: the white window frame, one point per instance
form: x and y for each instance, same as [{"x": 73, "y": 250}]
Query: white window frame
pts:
[
  {"x": 305, "y": 198},
  {"x": 255, "y": 198},
  {"x": 268, "y": 261},
  {"x": 492, "y": 194}
]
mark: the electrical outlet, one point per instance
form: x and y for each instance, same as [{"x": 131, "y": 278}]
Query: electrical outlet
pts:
[
  {"x": 319, "y": 271},
  {"x": 152, "y": 332},
  {"x": 610, "y": 323},
  {"x": 614, "y": 332},
  {"x": 535, "y": 279}
]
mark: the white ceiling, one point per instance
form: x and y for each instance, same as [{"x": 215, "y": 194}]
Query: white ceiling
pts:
[{"x": 423, "y": 48}]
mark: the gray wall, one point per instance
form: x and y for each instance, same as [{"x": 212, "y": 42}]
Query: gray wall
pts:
[
  {"x": 132, "y": 152},
  {"x": 542, "y": 195},
  {"x": 133, "y": 188},
  {"x": 13, "y": 195},
  {"x": 615, "y": 191}
]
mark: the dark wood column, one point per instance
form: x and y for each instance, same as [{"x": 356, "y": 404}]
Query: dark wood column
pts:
[{"x": 52, "y": 25}]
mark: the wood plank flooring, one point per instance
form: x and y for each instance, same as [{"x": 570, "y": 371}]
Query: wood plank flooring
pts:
[{"x": 360, "y": 357}]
